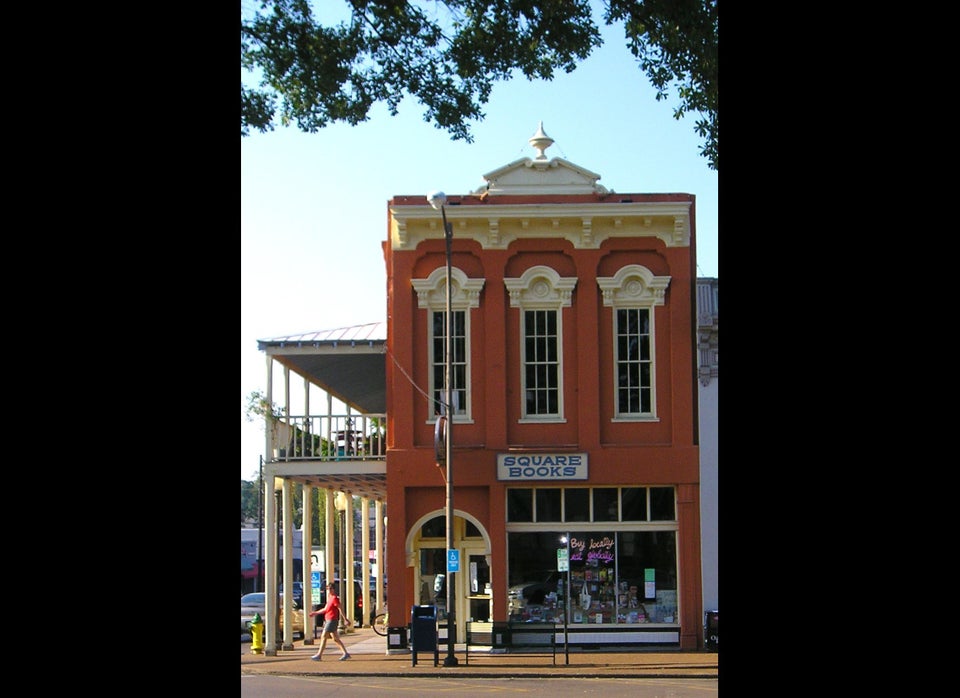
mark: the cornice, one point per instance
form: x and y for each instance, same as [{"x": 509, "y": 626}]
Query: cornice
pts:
[{"x": 585, "y": 225}]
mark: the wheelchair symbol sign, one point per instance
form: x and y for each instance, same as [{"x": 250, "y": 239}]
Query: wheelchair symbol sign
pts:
[{"x": 453, "y": 561}]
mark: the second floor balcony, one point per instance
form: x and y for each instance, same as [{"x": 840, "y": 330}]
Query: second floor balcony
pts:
[{"x": 328, "y": 437}]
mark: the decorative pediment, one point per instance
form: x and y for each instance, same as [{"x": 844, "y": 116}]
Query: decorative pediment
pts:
[
  {"x": 633, "y": 286},
  {"x": 432, "y": 291},
  {"x": 540, "y": 175}
]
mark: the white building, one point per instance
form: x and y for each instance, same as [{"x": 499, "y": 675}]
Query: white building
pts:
[{"x": 708, "y": 331}]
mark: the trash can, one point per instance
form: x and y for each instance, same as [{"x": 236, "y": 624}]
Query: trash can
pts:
[
  {"x": 423, "y": 632},
  {"x": 711, "y": 629}
]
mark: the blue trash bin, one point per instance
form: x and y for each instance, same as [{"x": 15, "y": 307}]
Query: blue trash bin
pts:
[{"x": 423, "y": 632}]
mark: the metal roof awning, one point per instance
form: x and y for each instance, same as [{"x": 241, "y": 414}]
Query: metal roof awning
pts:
[{"x": 349, "y": 363}]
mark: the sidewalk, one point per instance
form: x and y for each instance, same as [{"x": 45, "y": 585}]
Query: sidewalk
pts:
[{"x": 369, "y": 656}]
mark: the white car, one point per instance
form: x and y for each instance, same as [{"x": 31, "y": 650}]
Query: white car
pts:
[{"x": 256, "y": 602}]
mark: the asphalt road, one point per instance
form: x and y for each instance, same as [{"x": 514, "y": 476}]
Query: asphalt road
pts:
[{"x": 371, "y": 686}]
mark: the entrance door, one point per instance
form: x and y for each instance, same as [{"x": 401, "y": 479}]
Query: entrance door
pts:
[{"x": 472, "y": 594}]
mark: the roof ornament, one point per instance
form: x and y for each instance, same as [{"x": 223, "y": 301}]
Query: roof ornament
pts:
[{"x": 541, "y": 141}]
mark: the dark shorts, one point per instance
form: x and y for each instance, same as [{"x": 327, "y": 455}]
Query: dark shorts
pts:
[{"x": 330, "y": 626}]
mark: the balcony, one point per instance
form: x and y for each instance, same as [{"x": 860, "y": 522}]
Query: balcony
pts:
[
  {"x": 329, "y": 438},
  {"x": 345, "y": 452}
]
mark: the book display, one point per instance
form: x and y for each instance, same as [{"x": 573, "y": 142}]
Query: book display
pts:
[
  {"x": 593, "y": 585},
  {"x": 603, "y": 591}
]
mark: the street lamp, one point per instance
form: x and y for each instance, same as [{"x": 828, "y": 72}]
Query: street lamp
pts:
[
  {"x": 565, "y": 539},
  {"x": 438, "y": 200},
  {"x": 278, "y": 494},
  {"x": 258, "y": 582}
]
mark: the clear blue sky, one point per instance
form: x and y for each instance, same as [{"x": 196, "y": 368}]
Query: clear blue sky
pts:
[{"x": 313, "y": 207}]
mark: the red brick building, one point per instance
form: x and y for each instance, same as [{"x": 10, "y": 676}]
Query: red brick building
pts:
[
  {"x": 575, "y": 403},
  {"x": 574, "y": 395}
]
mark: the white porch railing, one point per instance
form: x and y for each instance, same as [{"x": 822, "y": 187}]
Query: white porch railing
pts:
[{"x": 329, "y": 437}]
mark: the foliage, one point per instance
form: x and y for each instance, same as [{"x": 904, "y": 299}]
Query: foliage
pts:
[
  {"x": 249, "y": 514},
  {"x": 259, "y": 407},
  {"x": 249, "y": 504},
  {"x": 449, "y": 54},
  {"x": 677, "y": 41}
]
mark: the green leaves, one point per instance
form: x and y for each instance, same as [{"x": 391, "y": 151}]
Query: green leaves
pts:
[
  {"x": 677, "y": 43},
  {"x": 449, "y": 54}
]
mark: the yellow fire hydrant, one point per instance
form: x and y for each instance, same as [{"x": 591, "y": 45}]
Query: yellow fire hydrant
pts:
[{"x": 256, "y": 635}]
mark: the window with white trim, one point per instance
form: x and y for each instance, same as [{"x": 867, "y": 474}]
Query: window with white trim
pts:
[
  {"x": 541, "y": 362},
  {"x": 458, "y": 366},
  {"x": 432, "y": 296},
  {"x": 634, "y": 361},
  {"x": 633, "y": 292},
  {"x": 541, "y": 293}
]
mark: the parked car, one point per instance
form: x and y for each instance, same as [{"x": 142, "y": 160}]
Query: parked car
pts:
[
  {"x": 297, "y": 594},
  {"x": 358, "y": 620},
  {"x": 256, "y": 602},
  {"x": 535, "y": 588}
]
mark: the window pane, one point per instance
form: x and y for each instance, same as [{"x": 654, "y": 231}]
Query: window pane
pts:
[
  {"x": 639, "y": 551},
  {"x": 633, "y": 362},
  {"x": 548, "y": 504},
  {"x": 458, "y": 366},
  {"x": 661, "y": 504},
  {"x": 520, "y": 504},
  {"x": 633, "y": 502},
  {"x": 605, "y": 504},
  {"x": 576, "y": 502},
  {"x": 541, "y": 363},
  {"x": 434, "y": 528}
]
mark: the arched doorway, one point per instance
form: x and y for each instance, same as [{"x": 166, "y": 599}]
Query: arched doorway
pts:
[{"x": 426, "y": 547}]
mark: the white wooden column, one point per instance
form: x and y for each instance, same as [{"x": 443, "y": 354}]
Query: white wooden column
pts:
[
  {"x": 365, "y": 559},
  {"x": 287, "y": 564},
  {"x": 307, "y": 558},
  {"x": 351, "y": 596},
  {"x": 329, "y": 542}
]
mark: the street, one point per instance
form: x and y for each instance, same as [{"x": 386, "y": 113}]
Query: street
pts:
[{"x": 534, "y": 687}]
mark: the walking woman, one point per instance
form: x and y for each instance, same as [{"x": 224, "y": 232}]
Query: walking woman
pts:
[{"x": 331, "y": 616}]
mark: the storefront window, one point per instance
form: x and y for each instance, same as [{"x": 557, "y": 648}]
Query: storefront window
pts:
[
  {"x": 605, "y": 504},
  {"x": 661, "y": 504},
  {"x": 633, "y": 503},
  {"x": 616, "y": 575},
  {"x": 576, "y": 504},
  {"x": 548, "y": 504},
  {"x": 519, "y": 504}
]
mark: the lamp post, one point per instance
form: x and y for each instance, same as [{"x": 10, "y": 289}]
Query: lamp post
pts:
[
  {"x": 438, "y": 200},
  {"x": 565, "y": 539},
  {"x": 278, "y": 492},
  {"x": 258, "y": 582}
]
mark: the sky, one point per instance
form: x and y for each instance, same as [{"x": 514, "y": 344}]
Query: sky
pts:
[{"x": 313, "y": 207}]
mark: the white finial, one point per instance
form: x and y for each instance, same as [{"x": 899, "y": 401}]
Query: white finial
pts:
[{"x": 541, "y": 141}]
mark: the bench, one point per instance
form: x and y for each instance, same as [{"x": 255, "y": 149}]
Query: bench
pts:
[{"x": 526, "y": 638}]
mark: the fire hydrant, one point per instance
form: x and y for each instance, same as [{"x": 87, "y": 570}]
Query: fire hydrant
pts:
[{"x": 256, "y": 635}]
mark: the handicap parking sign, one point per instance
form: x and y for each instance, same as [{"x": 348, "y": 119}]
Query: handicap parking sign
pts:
[{"x": 453, "y": 561}]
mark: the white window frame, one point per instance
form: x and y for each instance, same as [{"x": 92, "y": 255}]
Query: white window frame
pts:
[
  {"x": 464, "y": 296},
  {"x": 634, "y": 287},
  {"x": 541, "y": 288}
]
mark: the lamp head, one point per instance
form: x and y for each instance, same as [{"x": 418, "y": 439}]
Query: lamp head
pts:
[{"x": 437, "y": 199}]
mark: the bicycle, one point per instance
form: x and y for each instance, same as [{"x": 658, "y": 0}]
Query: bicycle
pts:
[{"x": 381, "y": 623}]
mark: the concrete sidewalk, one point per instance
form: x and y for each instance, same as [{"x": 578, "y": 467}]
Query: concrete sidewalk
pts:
[{"x": 369, "y": 656}]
